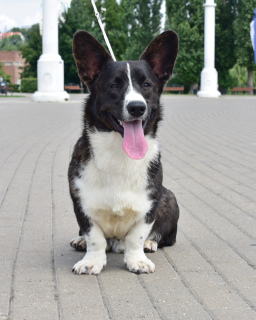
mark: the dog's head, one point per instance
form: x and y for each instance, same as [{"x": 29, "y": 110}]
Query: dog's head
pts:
[{"x": 126, "y": 93}]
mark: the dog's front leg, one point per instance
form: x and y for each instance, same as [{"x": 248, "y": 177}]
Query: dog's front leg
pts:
[
  {"x": 95, "y": 258},
  {"x": 134, "y": 256}
]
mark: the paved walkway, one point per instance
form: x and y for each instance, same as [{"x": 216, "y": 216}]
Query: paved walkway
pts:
[{"x": 209, "y": 159}]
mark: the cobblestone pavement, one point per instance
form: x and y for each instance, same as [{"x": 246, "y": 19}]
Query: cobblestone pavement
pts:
[{"x": 209, "y": 158}]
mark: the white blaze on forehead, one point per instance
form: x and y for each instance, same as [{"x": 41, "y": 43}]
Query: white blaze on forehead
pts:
[{"x": 131, "y": 94}]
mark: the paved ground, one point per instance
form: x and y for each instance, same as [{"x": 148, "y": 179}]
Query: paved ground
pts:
[{"x": 209, "y": 158}]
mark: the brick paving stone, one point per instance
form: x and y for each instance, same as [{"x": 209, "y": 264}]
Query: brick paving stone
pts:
[{"x": 208, "y": 153}]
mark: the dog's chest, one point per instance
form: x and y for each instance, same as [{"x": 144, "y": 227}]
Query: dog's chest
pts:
[{"x": 114, "y": 188}]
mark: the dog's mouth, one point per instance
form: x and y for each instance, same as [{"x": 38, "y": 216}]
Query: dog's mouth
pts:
[
  {"x": 116, "y": 124},
  {"x": 134, "y": 141}
]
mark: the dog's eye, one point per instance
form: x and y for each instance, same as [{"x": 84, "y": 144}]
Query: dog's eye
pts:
[
  {"x": 146, "y": 85},
  {"x": 114, "y": 86}
]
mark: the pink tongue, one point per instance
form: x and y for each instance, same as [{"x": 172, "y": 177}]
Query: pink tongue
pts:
[{"x": 134, "y": 143}]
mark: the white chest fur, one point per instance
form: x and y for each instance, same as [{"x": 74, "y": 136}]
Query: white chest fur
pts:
[{"x": 113, "y": 187}]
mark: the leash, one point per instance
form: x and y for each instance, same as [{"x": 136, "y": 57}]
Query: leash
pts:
[{"x": 103, "y": 30}]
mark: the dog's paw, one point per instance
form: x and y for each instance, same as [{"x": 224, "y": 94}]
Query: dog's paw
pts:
[
  {"x": 89, "y": 266},
  {"x": 139, "y": 264},
  {"x": 150, "y": 246},
  {"x": 78, "y": 243}
]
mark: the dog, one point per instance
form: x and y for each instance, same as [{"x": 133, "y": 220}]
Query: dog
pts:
[{"x": 115, "y": 174}]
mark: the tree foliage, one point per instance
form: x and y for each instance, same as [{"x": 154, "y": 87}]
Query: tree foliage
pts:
[
  {"x": 3, "y": 74},
  {"x": 142, "y": 21},
  {"x": 244, "y": 50},
  {"x": 124, "y": 24},
  {"x": 80, "y": 16},
  {"x": 115, "y": 27},
  {"x": 13, "y": 43},
  {"x": 187, "y": 19},
  {"x": 132, "y": 24},
  {"x": 232, "y": 37},
  {"x": 225, "y": 57},
  {"x": 31, "y": 51}
]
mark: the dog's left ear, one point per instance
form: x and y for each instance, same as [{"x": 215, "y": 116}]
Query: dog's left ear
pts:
[
  {"x": 161, "y": 54},
  {"x": 90, "y": 56}
]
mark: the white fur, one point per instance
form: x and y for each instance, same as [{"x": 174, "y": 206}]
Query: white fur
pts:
[
  {"x": 132, "y": 95},
  {"x": 112, "y": 187},
  {"x": 113, "y": 192},
  {"x": 134, "y": 256},
  {"x": 95, "y": 258}
]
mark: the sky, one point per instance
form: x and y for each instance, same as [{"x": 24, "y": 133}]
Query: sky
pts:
[{"x": 20, "y": 13}]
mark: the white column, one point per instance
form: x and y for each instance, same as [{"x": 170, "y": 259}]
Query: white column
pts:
[
  {"x": 50, "y": 67},
  {"x": 209, "y": 75}
]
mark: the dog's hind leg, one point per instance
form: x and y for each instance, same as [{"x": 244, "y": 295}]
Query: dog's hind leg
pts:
[
  {"x": 165, "y": 225},
  {"x": 78, "y": 243},
  {"x": 150, "y": 245},
  {"x": 117, "y": 246}
]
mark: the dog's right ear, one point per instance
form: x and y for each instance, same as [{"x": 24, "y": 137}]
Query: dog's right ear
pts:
[{"x": 89, "y": 55}]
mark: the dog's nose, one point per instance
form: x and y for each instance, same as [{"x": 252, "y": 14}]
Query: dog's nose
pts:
[{"x": 136, "y": 108}]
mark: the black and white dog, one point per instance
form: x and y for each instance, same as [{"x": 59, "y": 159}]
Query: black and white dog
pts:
[{"x": 115, "y": 174}]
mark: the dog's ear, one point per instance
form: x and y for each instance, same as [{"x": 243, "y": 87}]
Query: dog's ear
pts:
[
  {"x": 161, "y": 54},
  {"x": 89, "y": 55}
]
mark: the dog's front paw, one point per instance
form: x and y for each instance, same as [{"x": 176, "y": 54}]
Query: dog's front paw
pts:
[
  {"x": 139, "y": 264},
  {"x": 78, "y": 243},
  {"x": 89, "y": 265}
]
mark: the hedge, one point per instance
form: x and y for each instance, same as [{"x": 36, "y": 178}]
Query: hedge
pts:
[
  {"x": 14, "y": 86},
  {"x": 28, "y": 85}
]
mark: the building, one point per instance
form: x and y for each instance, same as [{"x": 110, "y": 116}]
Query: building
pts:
[
  {"x": 13, "y": 64},
  {"x": 11, "y": 33}
]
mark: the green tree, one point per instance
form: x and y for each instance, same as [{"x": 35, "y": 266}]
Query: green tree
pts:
[
  {"x": 15, "y": 29},
  {"x": 31, "y": 51},
  {"x": 244, "y": 50},
  {"x": 80, "y": 16},
  {"x": 124, "y": 24},
  {"x": 142, "y": 22},
  {"x": 239, "y": 74},
  {"x": 115, "y": 27},
  {"x": 187, "y": 19},
  {"x": 225, "y": 57},
  {"x": 3, "y": 74},
  {"x": 13, "y": 43}
]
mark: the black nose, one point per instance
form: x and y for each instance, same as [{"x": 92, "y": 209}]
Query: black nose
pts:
[{"x": 136, "y": 108}]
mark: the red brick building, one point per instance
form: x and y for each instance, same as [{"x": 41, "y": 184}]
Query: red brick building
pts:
[{"x": 13, "y": 64}]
